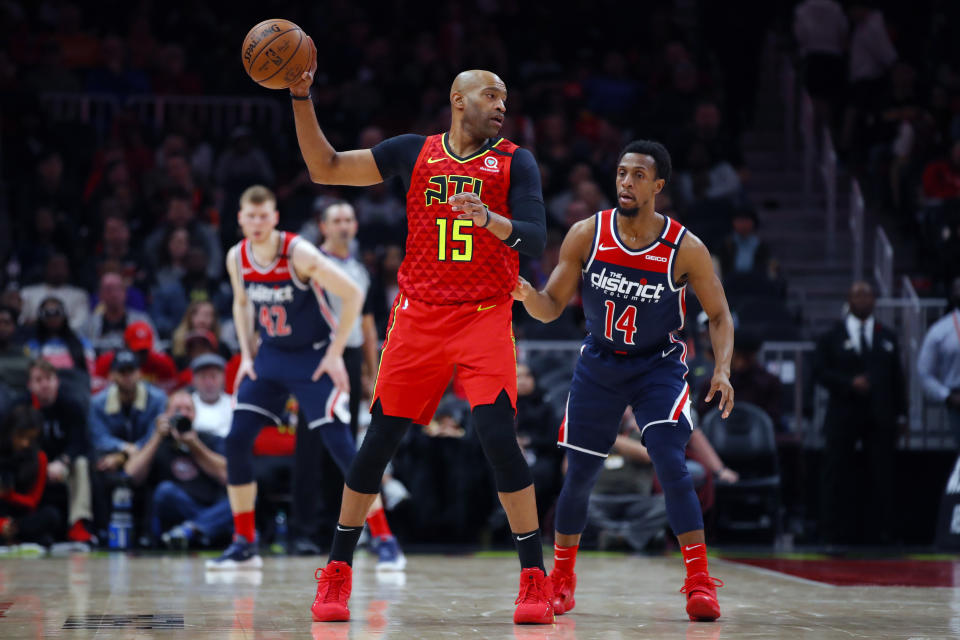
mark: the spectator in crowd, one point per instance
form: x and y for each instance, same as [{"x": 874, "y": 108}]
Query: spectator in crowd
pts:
[
  {"x": 199, "y": 318},
  {"x": 189, "y": 471},
  {"x": 381, "y": 214},
  {"x": 64, "y": 442},
  {"x": 623, "y": 508},
  {"x": 172, "y": 262},
  {"x": 941, "y": 178},
  {"x": 243, "y": 163},
  {"x": 56, "y": 284},
  {"x": 453, "y": 496},
  {"x": 858, "y": 361},
  {"x": 23, "y": 477},
  {"x": 822, "y": 32},
  {"x": 180, "y": 212},
  {"x": 872, "y": 55},
  {"x": 156, "y": 367},
  {"x": 754, "y": 384},
  {"x": 50, "y": 233},
  {"x": 112, "y": 316},
  {"x": 54, "y": 341},
  {"x": 14, "y": 361},
  {"x": 170, "y": 300},
  {"x": 743, "y": 252},
  {"x": 113, "y": 75},
  {"x": 121, "y": 415},
  {"x": 705, "y": 178},
  {"x": 939, "y": 362},
  {"x": 115, "y": 250},
  {"x": 537, "y": 434},
  {"x": 213, "y": 406},
  {"x": 121, "y": 420}
]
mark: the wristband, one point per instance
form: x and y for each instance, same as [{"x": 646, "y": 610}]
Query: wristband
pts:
[
  {"x": 306, "y": 97},
  {"x": 487, "y": 222}
]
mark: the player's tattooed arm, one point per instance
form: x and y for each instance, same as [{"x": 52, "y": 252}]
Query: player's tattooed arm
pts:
[
  {"x": 695, "y": 267},
  {"x": 242, "y": 320},
  {"x": 325, "y": 164},
  {"x": 548, "y": 304}
]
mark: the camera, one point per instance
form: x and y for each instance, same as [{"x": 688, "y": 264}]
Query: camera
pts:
[{"x": 181, "y": 423}]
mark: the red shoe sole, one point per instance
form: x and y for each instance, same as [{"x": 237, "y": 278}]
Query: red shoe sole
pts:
[
  {"x": 331, "y": 616},
  {"x": 702, "y": 608}
]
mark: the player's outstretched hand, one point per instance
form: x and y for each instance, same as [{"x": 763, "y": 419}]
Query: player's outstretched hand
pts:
[
  {"x": 302, "y": 86},
  {"x": 522, "y": 291},
  {"x": 471, "y": 207},
  {"x": 333, "y": 366},
  {"x": 720, "y": 383},
  {"x": 245, "y": 370}
]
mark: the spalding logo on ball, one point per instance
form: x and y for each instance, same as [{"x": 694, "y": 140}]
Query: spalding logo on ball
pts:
[{"x": 275, "y": 53}]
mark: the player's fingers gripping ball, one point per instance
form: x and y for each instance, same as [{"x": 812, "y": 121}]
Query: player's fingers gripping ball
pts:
[{"x": 276, "y": 53}]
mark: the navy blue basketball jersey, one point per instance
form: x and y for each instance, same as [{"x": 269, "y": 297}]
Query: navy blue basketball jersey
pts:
[
  {"x": 291, "y": 314},
  {"x": 630, "y": 298}
]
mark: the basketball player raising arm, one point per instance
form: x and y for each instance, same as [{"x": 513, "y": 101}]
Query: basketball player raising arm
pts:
[{"x": 473, "y": 204}]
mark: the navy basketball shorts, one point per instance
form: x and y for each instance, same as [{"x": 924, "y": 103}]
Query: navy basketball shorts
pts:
[
  {"x": 281, "y": 373},
  {"x": 605, "y": 383}
]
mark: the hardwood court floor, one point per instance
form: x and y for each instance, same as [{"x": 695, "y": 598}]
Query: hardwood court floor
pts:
[{"x": 118, "y": 596}]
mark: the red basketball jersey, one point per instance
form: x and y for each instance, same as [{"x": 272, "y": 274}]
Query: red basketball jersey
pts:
[{"x": 451, "y": 261}]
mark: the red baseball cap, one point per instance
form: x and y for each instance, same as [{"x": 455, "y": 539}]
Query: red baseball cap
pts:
[
  {"x": 206, "y": 336},
  {"x": 138, "y": 336}
]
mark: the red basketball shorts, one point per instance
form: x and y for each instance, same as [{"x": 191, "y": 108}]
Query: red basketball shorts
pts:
[{"x": 426, "y": 342}]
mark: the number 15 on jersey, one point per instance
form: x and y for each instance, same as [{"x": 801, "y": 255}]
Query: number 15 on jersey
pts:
[{"x": 457, "y": 254}]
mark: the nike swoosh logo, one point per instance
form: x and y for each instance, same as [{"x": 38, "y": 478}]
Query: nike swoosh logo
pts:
[
  {"x": 432, "y": 160},
  {"x": 527, "y": 536},
  {"x": 603, "y": 248},
  {"x": 691, "y": 560},
  {"x": 693, "y": 546},
  {"x": 339, "y": 528},
  {"x": 480, "y": 307},
  {"x": 666, "y": 353},
  {"x": 515, "y": 243}
]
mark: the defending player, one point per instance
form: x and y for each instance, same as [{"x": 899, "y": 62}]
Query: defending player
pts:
[
  {"x": 635, "y": 265},
  {"x": 279, "y": 282},
  {"x": 473, "y": 202}
]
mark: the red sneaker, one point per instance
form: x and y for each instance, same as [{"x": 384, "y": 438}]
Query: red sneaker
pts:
[
  {"x": 78, "y": 533},
  {"x": 535, "y": 602},
  {"x": 701, "y": 591},
  {"x": 564, "y": 584},
  {"x": 334, "y": 582}
]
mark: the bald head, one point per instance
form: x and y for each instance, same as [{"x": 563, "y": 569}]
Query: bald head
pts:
[
  {"x": 473, "y": 79},
  {"x": 478, "y": 102}
]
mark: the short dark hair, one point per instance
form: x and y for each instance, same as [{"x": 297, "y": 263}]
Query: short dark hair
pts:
[
  {"x": 659, "y": 153},
  {"x": 331, "y": 205},
  {"x": 42, "y": 365}
]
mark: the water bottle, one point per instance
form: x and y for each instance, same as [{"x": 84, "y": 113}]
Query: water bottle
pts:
[
  {"x": 121, "y": 521},
  {"x": 280, "y": 532}
]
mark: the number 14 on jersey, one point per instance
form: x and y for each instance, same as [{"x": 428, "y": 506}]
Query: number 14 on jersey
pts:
[{"x": 626, "y": 323}]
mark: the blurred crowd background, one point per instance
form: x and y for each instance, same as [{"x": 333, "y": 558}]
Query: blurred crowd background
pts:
[{"x": 129, "y": 129}]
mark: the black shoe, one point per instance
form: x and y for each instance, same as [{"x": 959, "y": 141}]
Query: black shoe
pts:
[{"x": 304, "y": 547}]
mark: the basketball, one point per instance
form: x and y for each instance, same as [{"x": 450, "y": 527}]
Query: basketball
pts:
[{"x": 275, "y": 53}]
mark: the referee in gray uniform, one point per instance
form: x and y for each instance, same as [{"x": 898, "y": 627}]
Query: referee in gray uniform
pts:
[
  {"x": 316, "y": 492},
  {"x": 338, "y": 225}
]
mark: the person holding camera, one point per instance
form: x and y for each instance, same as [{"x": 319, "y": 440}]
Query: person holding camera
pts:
[{"x": 189, "y": 470}]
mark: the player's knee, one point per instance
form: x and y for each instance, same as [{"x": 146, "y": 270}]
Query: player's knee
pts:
[
  {"x": 667, "y": 445},
  {"x": 381, "y": 442},
  {"x": 494, "y": 424},
  {"x": 238, "y": 446},
  {"x": 582, "y": 472}
]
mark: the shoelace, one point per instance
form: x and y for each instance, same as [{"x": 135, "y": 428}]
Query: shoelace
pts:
[
  {"x": 333, "y": 584},
  {"x": 693, "y": 583},
  {"x": 528, "y": 592}
]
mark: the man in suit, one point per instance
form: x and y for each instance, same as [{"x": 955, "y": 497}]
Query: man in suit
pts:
[{"x": 858, "y": 361}]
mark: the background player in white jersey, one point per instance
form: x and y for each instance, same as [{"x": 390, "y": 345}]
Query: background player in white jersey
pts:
[
  {"x": 290, "y": 343},
  {"x": 635, "y": 265}
]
